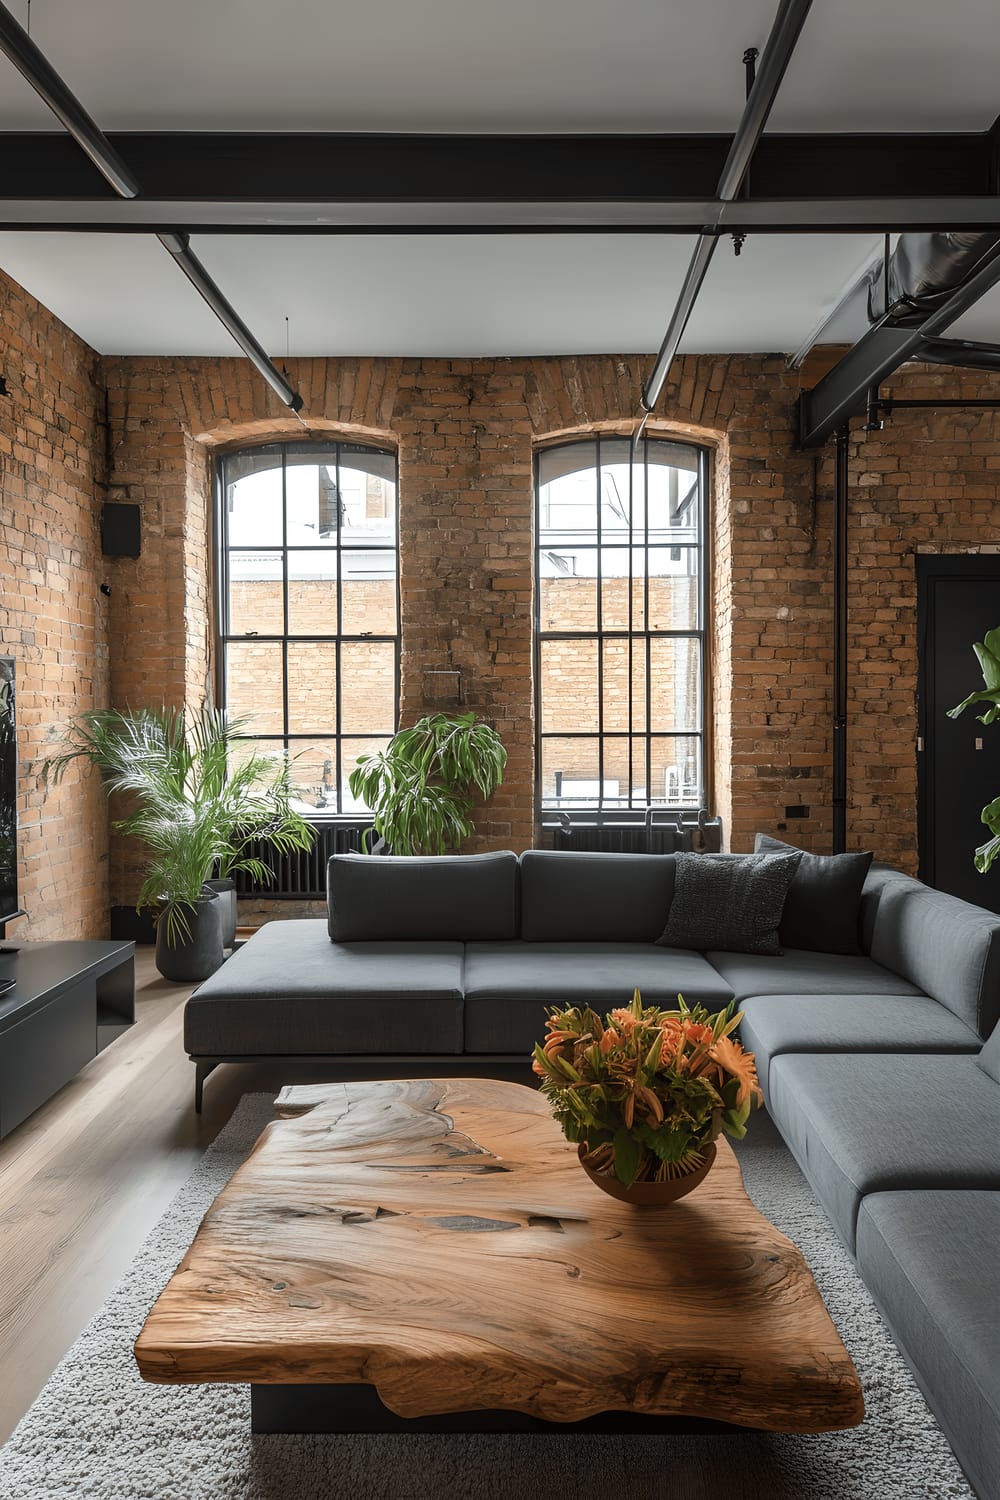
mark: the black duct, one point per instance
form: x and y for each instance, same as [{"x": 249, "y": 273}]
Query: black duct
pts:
[{"x": 923, "y": 271}]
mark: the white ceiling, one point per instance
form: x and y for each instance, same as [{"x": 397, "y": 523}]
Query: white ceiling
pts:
[
  {"x": 452, "y": 65},
  {"x": 432, "y": 294},
  {"x": 520, "y": 65}
]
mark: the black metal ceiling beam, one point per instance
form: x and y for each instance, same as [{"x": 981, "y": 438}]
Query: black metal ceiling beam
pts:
[
  {"x": 257, "y": 168},
  {"x": 843, "y": 392}
]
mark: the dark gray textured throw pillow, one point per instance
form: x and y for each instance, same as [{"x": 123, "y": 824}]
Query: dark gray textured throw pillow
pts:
[
  {"x": 731, "y": 902},
  {"x": 823, "y": 907}
]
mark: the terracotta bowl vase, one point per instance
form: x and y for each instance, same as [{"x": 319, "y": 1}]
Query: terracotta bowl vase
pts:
[{"x": 649, "y": 1194}]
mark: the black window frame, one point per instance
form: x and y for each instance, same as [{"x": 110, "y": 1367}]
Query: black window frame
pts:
[
  {"x": 630, "y": 807},
  {"x": 332, "y": 451}
]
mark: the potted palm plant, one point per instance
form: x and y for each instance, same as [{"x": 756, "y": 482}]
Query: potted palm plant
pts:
[
  {"x": 422, "y": 787},
  {"x": 196, "y": 809}
]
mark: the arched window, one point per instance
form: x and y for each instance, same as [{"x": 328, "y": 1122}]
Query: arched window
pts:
[
  {"x": 620, "y": 625},
  {"x": 308, "y": 607}
]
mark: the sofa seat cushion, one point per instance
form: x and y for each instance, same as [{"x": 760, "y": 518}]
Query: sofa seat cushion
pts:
[
  {"x": 773, "y": 1024},
  {"x": 509, "y": 985},
  {"x": 290, "y": 991},
  {"x": 799, "y": 971},
  {"x": 930, "y": 1261},
  {"x": 863, "y": 1123}
]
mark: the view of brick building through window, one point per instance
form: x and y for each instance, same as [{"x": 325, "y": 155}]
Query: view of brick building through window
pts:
[
  {"x": 309, "y": 608},
  {"x": 620, "y": 683}
]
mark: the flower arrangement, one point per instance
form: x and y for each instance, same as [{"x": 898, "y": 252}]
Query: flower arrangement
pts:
[{"x": 646, "y": 1090}]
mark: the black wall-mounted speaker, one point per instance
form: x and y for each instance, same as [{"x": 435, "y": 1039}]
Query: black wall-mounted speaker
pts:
[{"x": 121, "y": 534}]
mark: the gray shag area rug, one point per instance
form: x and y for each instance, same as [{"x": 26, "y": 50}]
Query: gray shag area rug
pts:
[{"x": 98, "y": 1432}]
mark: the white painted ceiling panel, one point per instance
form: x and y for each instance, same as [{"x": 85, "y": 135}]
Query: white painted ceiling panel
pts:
[
  {"x": 434, "y": 294},
  {"x": 449, "y": 65}
]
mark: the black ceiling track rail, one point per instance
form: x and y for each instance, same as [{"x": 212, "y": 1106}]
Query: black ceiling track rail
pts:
[{"x": 785, "y": 30}]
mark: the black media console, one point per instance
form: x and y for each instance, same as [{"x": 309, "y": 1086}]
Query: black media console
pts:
[{"x": 68, "y": 1002}]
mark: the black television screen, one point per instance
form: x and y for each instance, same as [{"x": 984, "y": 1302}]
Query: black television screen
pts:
[{"x": 8, "y": 792}]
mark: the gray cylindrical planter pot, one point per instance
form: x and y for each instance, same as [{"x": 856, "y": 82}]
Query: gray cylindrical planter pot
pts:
[
  {"x": 226, "y": 892},
  {"x": 201, "y": 954}
]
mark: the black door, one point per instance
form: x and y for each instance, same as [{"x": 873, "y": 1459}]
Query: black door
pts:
[{"x": 958, "y": 602}]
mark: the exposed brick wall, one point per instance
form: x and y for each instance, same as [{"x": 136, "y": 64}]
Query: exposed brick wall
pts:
[
  {"x": 53, "y": 618},
  {"x": 465, "y": 433}
]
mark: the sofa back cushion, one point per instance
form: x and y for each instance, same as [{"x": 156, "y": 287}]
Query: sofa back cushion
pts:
[
  {"x": 948, "y": 947},
  {"x": 594, "y": 898},
  {"x": 823, "y": 905},
  {"x": 438, "y": 898},
  {"x": 879, "y": 876}
]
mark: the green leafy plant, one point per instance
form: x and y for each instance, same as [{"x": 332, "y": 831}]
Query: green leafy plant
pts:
[
  {"x": 195, "y": 806},
  {"x": 422, "y": 787},
  {"x": 988, "y": 652},
  {"x": 646, "y": 1090}
]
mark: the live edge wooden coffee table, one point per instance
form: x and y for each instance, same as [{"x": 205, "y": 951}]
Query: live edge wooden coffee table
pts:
[{"x": 429, "y": 1255}]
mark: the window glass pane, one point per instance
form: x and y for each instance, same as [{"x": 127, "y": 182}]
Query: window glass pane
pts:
[
  {"x": 312, "y": 686},
  {"x": 568, "y": 672},
  {"x": 673, "y": 588},
  {"x": 673, "y": 504},
  {"x": 367, "y": 687},
  {"x": 568, "y": 589},
  {"x": 256, "y": 596},
  {"x": 615, "y": 588},
  {"x": 675, "y": 684},
  {"x": 369, "y": 503},
  {"x": 567, "y": 494},
  {"x": 352, "y": 749},
  {"x": 622, "y": 659},
  {"x": 312, "y": 592},
  {"x": 272, "y": 752},
  {"x": 254, "y": 685},
  {"x": 313, "y": 500},
  {"x": 253, "y": 504},
  {"x": 569, "y": 772},
  {"x": 368, "y": 592},
  {"x": 676, "y": 775},
  {"x": 313, "y": 772}
]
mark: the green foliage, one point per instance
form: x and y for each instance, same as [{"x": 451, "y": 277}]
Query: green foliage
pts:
[
  {"x": 646, "y": 1089},
  {"x": 988, "y": 652},
  {"x": 421, "y": 788},
  {"x": 194, "y": 805}
]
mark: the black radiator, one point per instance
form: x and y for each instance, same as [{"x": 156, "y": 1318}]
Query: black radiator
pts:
[
  {"x": 301, "y": 875},
  {"x": 650, "y": 835}
]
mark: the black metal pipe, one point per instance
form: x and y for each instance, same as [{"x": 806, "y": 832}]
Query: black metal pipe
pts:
[
  {"x": 840, "y": 517},
  {"x": 179, "y": 247},
  {"x": 32, "y": 65},
  {"x": 889, "y": 404},
  {"x": 966, "y": 352},
  {"x": 778, "y": 50}
]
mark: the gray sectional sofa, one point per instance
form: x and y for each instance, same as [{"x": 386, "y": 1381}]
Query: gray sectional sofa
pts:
[{"x": 873, "y": 1062}]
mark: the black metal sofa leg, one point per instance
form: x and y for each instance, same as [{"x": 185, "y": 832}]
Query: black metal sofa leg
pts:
[{"x": 201, "y": 1072}]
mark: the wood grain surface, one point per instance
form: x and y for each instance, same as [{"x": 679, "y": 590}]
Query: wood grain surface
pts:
[{"x": 438, "y": 1240}]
